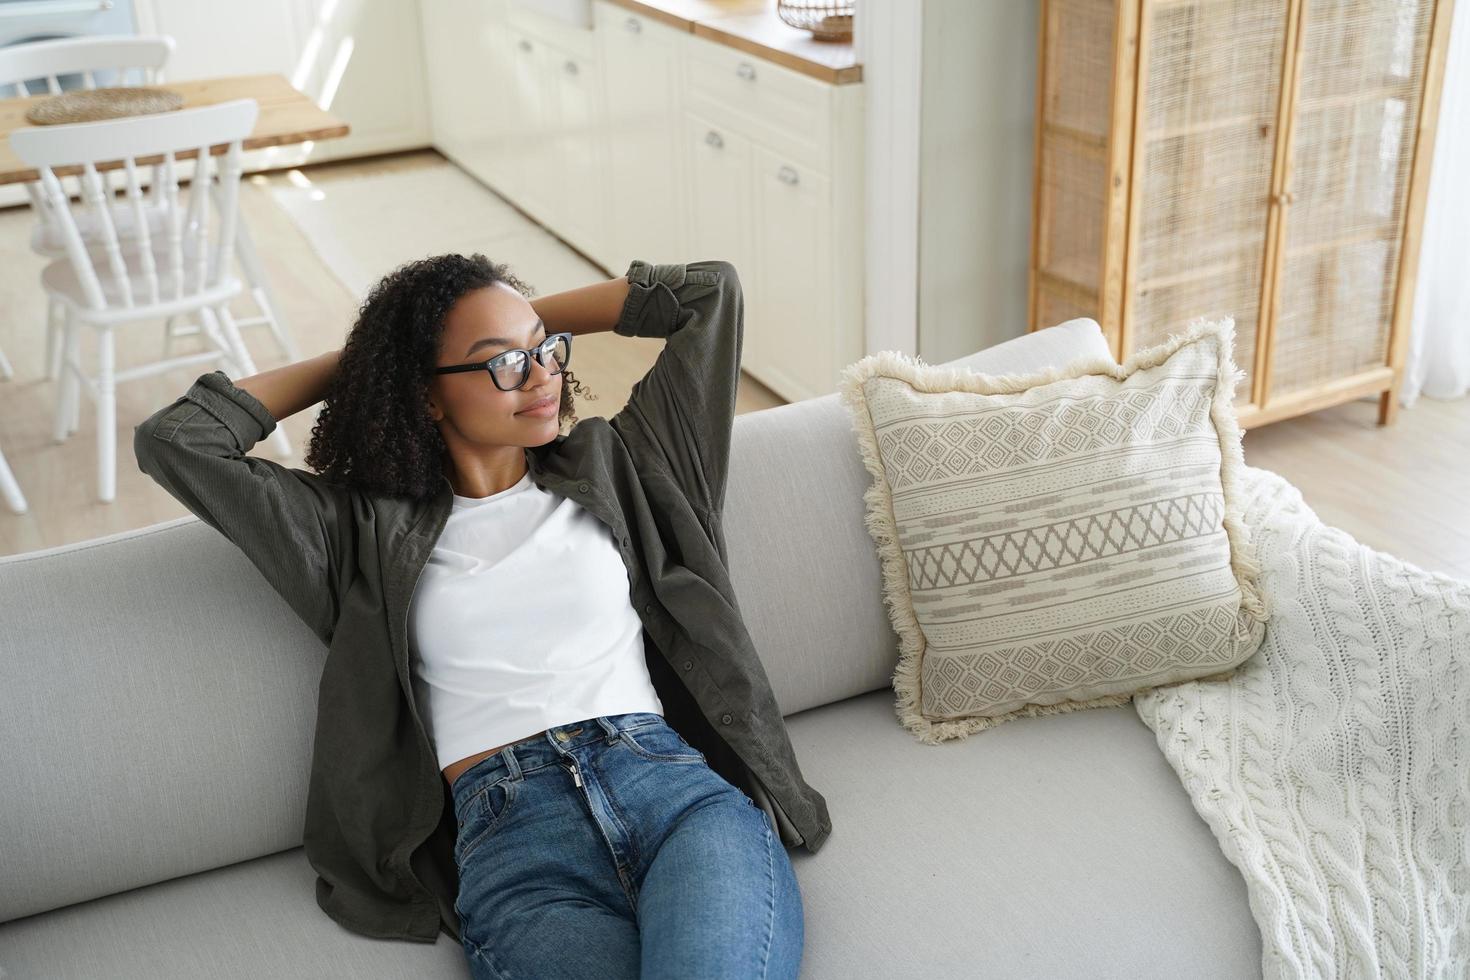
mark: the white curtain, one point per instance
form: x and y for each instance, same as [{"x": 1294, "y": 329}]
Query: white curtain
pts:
[{"x": 1438, "y": 364}]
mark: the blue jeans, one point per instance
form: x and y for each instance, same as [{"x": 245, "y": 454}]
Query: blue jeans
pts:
[{"x": 609, "y": 848}]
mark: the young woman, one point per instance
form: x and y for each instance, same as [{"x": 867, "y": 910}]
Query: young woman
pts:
[{"x": 543, "y": 618}]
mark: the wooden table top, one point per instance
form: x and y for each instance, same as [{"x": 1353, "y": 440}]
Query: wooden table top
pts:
[{"x": 287, "y": 116}]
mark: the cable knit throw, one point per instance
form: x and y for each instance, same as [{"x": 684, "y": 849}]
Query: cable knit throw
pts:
[{"x": 1334, "y": 766}]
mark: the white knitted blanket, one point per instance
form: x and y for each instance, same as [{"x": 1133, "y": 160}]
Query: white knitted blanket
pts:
[{"x": 1334, "y": 766}]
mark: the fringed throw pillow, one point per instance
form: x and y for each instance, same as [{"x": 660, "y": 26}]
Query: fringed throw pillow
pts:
[{"x": 1057, "y": 541}]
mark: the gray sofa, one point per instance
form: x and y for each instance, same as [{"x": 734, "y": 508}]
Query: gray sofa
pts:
[{"x": 157, "y": 723}]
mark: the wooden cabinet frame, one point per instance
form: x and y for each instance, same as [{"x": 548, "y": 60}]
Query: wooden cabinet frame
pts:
[{"x": 1110, "y": 236}]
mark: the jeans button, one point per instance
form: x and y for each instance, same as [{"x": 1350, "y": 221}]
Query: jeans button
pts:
[
  {"x": 689, "y": 665},
  {"x": 727, "y": 718},
  {"x": 583, "y": 487}
]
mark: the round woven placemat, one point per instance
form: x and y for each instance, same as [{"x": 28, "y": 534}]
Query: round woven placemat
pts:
[{"x": 89, "y": 105}]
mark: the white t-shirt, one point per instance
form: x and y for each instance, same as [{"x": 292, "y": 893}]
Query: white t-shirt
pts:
[{"x": 523, "y": 620}]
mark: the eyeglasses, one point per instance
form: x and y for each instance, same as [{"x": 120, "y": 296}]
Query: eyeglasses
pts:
[{"x": 510, "y": 369}]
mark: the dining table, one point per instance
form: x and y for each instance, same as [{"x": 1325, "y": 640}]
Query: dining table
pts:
[{"x": 286, "y": 116}]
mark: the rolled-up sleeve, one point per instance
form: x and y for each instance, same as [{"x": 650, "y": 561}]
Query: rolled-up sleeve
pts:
[
  {"x": 685, "y": 404},
  {"x": 297, "y": 528}
]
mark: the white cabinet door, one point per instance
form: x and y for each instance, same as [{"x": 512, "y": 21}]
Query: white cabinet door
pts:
[
  {"x": 528, "y": 169},
  {"x": 792, "y": 318},
  {"x": 718, "y": 216},
  {"x": 579, "y": 169},
  {"x": 717, "y": 203},
  {"x": 643, "y": 184},
  {"x": 451, "y": 71},
  {"x": 467, "y": 57}
]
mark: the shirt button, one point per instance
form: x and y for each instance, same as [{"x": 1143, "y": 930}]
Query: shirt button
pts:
[
  {"x": 726, "y": 719},
  {"x": 648, "y": 607},
  {"x": 689, "y": 665}
]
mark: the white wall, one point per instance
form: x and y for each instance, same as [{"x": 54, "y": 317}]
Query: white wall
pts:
[{"x": 975, "y": 167}]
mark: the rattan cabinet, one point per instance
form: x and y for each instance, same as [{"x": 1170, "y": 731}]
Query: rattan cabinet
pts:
[{"x": 1266, "y": 159}]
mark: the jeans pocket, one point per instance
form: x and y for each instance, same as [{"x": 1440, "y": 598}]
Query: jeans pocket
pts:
[
  {"x": 660, "y": 743},
  {"x": 484, "y": 812}
]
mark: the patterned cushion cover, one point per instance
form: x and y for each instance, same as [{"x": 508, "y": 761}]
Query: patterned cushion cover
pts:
[{"x": 1057, "y": 541}]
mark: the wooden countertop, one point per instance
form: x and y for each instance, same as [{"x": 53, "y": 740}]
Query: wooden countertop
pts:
[{"x": 752, "y": 25}]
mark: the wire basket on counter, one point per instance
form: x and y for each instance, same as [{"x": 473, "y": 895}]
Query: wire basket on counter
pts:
[{"x": 827, "y": 20}]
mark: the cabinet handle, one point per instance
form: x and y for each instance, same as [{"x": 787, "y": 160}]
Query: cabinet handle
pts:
[
  {"x": 525, "y": 45},
  {"x": 787, "y": 174},
  {"x": 746, "y": 70},
  {"x": 714, "y": 139},
  {"x": 633, "y": 24},
  {"x": 571, "y": 67}
]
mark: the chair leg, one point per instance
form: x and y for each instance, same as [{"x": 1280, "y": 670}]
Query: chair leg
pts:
[
  {"x": 74, "y": 408},
  {"x": 168, "y": 335},
  {"x": 260, "y": 288},
  {"x": 67, "y": 351},
  {"x": 10, "y": 489},
  {"x": 106, "y": 418},
  {"x": 267, "y": 304},
  {"x": 209, "y": 323},
  {"x": 6, "y": 371},
  {"x": 53, "y": 338}
]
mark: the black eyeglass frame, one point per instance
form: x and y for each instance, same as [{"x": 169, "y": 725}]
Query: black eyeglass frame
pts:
[{"x": 535, "y": 352}]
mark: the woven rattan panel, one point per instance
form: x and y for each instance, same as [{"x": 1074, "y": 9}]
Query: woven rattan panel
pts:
[
  {"x": 1212, "y": 83},
  {"x": 1077, "y": 101},
  {"x": 1362, "y": 70}
]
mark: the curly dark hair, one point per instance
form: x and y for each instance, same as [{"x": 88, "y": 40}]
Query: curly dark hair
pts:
[{"x": 374, "y": 431}]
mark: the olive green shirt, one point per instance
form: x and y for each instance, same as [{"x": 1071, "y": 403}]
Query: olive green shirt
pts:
[{"x": 380, "y": 825}]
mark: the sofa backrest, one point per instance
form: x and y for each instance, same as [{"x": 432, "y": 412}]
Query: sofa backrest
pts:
[{"x": 157, "y": 718}]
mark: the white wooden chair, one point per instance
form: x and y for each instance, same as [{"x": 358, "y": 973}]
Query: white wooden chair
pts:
[
  {"x": 186, "y": 268},
  {"x": 145, "y": 58}
]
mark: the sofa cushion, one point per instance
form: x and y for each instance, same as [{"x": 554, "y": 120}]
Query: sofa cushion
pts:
[
  {"x": 1061, "y": 846},
  {"x": 1057, "y": 540},
  {"x": 804, "y": 568},
  {"x": 1057, "y": 846}
]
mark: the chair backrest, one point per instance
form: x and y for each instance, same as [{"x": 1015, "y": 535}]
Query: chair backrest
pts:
[
  {"x": 192, "y": 262},
  {"x": 48, "y": 62}
]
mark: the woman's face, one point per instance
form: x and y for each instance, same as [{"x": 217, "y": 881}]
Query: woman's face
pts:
[{"x": 467, "y": 404}]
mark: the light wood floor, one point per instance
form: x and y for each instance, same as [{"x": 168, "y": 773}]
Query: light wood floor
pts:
[{"x": 1401, "y": 489}]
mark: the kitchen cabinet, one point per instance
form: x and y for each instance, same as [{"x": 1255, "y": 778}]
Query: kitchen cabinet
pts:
[
  {"x": 575, "y": 175},
  {"x": 642, "y": 131},
  {"x": 555, "y": 171},
  {"x": 717, "y": 206},
  {"x": 797, "y": 345},
  {"x": 775, "y": 177},
  {"x": 634, "y": 139},
  {"x": 475, "y": 117}
]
